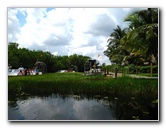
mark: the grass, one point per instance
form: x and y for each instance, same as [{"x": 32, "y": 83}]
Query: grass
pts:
[
  {"x": 77, "y": 83},
  {"x": 148, "y": 74}
]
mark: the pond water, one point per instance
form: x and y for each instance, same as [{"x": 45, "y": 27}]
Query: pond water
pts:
[{"x": 58, "y": 107}]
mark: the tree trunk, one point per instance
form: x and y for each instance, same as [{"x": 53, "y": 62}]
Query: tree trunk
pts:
[{"x": 151, "y": 69}]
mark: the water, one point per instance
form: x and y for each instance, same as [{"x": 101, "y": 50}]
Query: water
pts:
[{"x": 58, "y": 107}]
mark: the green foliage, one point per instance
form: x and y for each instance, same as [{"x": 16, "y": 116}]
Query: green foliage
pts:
[
  {"x": 138, "y": 42},
  {"x": 131, "y": 69},
  {"x": 114, "y": 51},
  {"x": 146, "y": 69},
  {"x": 27, "y": 58},
  {"x": 142, "y": 39}
]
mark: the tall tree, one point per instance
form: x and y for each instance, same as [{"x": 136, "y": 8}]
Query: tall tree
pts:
[
  {"x": 114, "y": 51},
  {"x": 13, "y": 59},
  {"x": 142, "y": 39}
]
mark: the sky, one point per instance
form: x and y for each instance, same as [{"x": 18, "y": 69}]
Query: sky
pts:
[{"x": 66, "y": 31}]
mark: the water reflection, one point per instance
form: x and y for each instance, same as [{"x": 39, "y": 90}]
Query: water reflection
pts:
[{"x": 58, "y": 107}]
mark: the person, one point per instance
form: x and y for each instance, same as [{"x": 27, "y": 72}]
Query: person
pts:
[
  {"x": 9, "y": 68},
  {"x": 36, "y": 71},
  {"x": 25, "y": 71},
  {"x": 28, "y": 71},
  {"x": 21, "y": 69}
]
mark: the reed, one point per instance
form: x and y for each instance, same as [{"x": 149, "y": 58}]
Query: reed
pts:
[{"x": 77, "y": 83}]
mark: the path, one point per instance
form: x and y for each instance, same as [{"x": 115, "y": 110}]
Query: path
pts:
[{"x": 132, "y": 75}]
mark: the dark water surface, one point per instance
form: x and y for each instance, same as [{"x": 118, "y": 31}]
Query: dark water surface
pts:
[
  {"x": 80, "y": 107},
  {"x": 56, "y": 107}
]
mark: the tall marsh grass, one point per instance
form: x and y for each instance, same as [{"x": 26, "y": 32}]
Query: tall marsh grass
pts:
[{"x": 77, "y": 83}]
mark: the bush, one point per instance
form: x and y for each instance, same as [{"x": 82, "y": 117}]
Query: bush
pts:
[
  {"x": 131, "y": 69},
  {"x": 146, "y": 69}
]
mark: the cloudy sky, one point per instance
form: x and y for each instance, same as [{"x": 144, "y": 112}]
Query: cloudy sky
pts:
[{"x": 65, "y": 31}]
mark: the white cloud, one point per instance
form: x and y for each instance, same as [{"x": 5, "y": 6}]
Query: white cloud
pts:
[
  {"x": 13, "y": 25},
  {"x": 65, "y": 31},
  {"x": 87, "y": 50},
  {"x": 55, "y": 53}
]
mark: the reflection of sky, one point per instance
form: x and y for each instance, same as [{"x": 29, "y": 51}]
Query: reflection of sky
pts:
[{"x": 56, "y": 108}]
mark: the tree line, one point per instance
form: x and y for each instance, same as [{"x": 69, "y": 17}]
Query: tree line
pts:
[
  {"x": 137, "y": 43},
  {"x": 27, "y": 58}
]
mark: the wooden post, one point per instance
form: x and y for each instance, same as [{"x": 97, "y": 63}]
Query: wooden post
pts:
[
  {"x": 105, "y": 71},
  {"x": 151, "y": 69},
  {"x": 116, "y": 72}
]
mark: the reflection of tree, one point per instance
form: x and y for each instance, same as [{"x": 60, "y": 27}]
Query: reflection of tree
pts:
[
  {"x": 126, "y": 108},
  {"x": 12, "y": 103},
  {"x": 12, "y": 99},
  {"x": 130, "y": 108}
]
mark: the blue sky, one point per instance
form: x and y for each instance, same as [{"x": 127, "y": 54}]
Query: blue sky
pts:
[
  {"x": 21, "y": 17},
  {"x": 65, "y": 31}
]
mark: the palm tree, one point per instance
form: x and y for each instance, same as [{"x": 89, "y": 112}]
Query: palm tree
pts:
[
  {"x": 114, "y": 51},
  {"x": 142, "y": 38}
]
